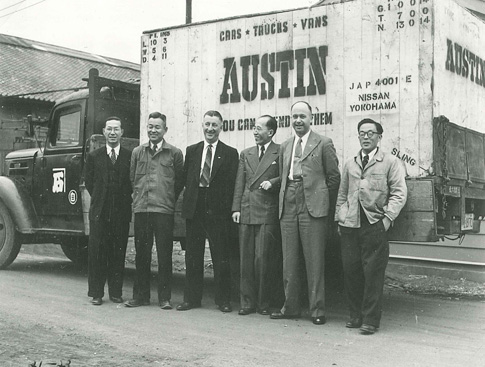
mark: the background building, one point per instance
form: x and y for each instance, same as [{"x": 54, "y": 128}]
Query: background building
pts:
[{"x": 33, "y": 75}]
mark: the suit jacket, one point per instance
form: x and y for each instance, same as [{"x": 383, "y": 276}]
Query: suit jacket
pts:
[
  {"x": 96, "y": 180},
  {"x": 321, "y": 176},
  {"x": 257, "y": 206},
  {"x": 380, "y": 188},
  {"x": 221, "y": 185}
]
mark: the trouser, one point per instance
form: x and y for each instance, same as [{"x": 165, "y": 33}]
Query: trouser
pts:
[
  {"x": 302, "y": 236},
  {"x": 146, "y": 226},
  {"x": 214, "y": 227},
  {"x": 365, "y": 254},
  {"x": 106, "y": 256},
  {"x": 261, "y": 266}
]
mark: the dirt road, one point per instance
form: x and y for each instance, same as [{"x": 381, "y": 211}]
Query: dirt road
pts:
[{"x": 46, "y": 316}]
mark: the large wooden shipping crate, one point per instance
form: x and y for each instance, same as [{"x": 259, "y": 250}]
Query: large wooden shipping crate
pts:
[{"x": 403, "y": 63}]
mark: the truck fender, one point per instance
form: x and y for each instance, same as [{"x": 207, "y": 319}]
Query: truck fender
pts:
[{"x": 20, "y": 205}]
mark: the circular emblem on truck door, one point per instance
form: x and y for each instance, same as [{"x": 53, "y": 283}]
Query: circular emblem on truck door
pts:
[{"x": 72, "y": 197}]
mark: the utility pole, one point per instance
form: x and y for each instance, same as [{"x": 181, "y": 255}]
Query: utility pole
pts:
[{"x": 188, "y": 12}]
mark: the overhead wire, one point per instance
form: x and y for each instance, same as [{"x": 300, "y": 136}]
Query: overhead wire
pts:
[
  {"x": 11, "y": 6},
  {"x": 16, "y": 11}
]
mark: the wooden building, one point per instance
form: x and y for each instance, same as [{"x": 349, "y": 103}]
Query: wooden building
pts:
[{"x": 33, "y": 75}]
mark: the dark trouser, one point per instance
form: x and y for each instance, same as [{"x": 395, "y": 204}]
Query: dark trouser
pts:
[
  {"x": 304, "y": 235},
  {"x": 214, "y": 227},
  {"x": 106, "y": 261},
  {"x": 365, "y": 253},
  {"x": 261, "y": 274},
  {"x": 147, "y": 225}
]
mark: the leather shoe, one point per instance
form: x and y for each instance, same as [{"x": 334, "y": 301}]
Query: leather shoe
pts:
[
  {"x": 246, "y": 311},
  {"x": 366, "y": 329},
  {"x": 185, "y": 306},
  {"x": 278, "y": 316},
  {"x": 225, "y": 307},
  {"x": 165, "y": 305},
  {"x": 354, "y": 323},
  {"x": 319, "y": 320},
  {"x": 264, "y": 312},
  {"x": 116, "y": 299},
  {"x": 136, "y": 303},
  {"x": 97, "y": 301}
]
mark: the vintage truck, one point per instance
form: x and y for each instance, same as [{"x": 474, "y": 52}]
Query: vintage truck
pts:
[
  {"x": 42, "y": 197},
  {"x": 417, "y": 66}
]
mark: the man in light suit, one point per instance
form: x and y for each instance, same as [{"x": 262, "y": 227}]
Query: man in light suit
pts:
[
  {"x": 209, "y": 174},
  {"x": 107, "y": 176},
  {"x": 309, "y": 182},
  {"x": 371, "y": 196},
  {"x": 255, "y": 208}
]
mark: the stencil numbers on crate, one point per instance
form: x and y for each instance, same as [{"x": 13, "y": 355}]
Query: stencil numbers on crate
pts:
[
  {"x": 399, "y": 14},
  {"x": 155, "y": 47}
]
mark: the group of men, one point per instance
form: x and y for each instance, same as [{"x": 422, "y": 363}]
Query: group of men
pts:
[{"x": 285, "y": 198}]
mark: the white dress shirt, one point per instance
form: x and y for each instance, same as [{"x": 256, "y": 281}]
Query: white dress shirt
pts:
[
  {"x": 159, "y": 145},
  {"x": 265, "y": 148},
  {"x": 371, "y": 154},
  {"x": 204, "y": 154},
  {"x": 117, "y": 150},
  {"x": 304, "y": 140}
]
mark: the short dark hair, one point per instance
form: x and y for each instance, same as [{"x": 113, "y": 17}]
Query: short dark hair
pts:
[
  {"x": 271, "y": 123},
  {"x": 116, "y": 118},
  {"x": 157, "y": 115},
  {"x": 213, "y": 113},
  {"x": 309, "y": 107},
  {"x": 378, "y": 126}
]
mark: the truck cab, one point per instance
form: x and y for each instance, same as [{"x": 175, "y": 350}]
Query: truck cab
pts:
[{"x": 42, "y": 196}]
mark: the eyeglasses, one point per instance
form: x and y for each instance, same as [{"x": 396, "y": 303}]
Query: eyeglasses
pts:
[{"x": 369, "y": 134}]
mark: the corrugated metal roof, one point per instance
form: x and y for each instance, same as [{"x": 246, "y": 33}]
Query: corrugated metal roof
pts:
[{"x": 37, "y": 70}]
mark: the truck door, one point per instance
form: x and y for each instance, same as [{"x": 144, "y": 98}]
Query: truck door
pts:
[{"x": 61, "y": 169}]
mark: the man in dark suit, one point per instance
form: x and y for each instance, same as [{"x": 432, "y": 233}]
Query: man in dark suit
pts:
[
  {"x": 210, "y": 172},
  {"x": 107, "y": 177},
  {"x": 309, "y": 182},
  {"x": 255, "y": 208}
]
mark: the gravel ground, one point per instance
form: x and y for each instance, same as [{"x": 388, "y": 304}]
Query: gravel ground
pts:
[{"x": 397, "y": 280}]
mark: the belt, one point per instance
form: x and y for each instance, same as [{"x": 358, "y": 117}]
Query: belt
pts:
[{"x": 296, "y": 179}]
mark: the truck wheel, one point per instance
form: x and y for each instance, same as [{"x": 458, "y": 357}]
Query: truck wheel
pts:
[
  {"x": 76, "y": 251},
  {"x": 9, "y": 241}
]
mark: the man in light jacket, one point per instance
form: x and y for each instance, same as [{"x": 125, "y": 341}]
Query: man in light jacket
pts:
[
  {"x": 157, "y": 177},
  {"x": 371, "y": 195}
]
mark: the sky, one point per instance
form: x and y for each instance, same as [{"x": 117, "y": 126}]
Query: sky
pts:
[{"x": 113, "y": 27}]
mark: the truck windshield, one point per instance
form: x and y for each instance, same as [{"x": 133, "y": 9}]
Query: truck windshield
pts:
[{"x": 68, "y": 127}]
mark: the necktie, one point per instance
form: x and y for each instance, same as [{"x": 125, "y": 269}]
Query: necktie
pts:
[
  {"x": 113, "y": 156},
  {"x": 262, "y": 153},
  {"x": 297, "y": 172},
  {"x": 206, "y": 171},
  {"x": 154, "y": 149},
  {"x": 365, "y": 160}
]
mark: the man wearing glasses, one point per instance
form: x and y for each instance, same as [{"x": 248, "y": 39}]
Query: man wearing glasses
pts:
[
  {"x": 255, "y": 209},
  {"x": 371, "y": 195},
  {"x": 107, "y": 175}
]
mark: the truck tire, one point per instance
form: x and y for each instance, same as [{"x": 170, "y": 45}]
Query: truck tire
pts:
[
  {"x": 76, "y": 251},
  {"x": 9, "y": 241}
]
